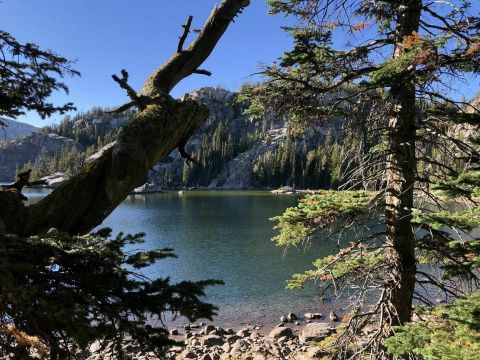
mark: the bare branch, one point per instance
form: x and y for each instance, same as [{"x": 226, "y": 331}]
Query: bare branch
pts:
[
  {"x": 202, "y": 72},
  {"x": 186, "y": 31},
  {"x": 122, "y": 108},
  {"x": 131, "y": 93}
]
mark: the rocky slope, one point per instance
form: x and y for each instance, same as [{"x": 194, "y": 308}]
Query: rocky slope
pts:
[
  {"x": 235, "y": 173},
  {"x": 16, "y": 153},
  {"x": 248, "y": 141}
]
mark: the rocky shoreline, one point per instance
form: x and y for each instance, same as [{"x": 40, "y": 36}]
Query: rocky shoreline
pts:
[
  {"x": 282, "y": 342},
  {"x": 252, "y": 342}
]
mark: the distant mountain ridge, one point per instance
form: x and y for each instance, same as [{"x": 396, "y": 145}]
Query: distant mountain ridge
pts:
[{"x": 16, "y": 129}]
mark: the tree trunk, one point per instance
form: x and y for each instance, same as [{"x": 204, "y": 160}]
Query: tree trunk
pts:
[
  {"x": 401, "y": 165},
  {"x": 161, "y": 125}
]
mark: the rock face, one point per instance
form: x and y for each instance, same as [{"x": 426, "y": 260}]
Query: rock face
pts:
[
  {"x": 229, "y": 143},
  {"x": 16, "y": 130},
  {"x": 18, "y": 152},
  {"x": 238, "y": 173}
]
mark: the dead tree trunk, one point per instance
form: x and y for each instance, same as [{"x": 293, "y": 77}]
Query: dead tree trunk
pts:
[
  {"x": 161, "y": 125},
  {"x": 401, "y": 164}
]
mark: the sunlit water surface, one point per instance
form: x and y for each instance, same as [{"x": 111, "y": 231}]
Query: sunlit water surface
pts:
[{"x": 222, "y": 235}]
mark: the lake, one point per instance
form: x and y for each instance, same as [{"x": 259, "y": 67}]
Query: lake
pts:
[{"x": 222, "y": 235}]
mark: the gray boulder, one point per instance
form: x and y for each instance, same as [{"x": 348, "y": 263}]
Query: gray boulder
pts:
[
  {"x": 208, "y": 329},
  {"x": 332, "y": 316},
  {"x": 244, "y": 332},
  {"x": 211, "y": 340},
  {"x": 316, "y": 332},
  {"x": 280, "y": 332},
  {"x": 231, "y": 339},
  {"x": 312, "y": 316},
  {"x": 291, "y": 317}
]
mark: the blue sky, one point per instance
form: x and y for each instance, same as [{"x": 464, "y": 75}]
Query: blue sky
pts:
[
  {"x": 105, "y": 36},
  {"x": 108, "y": 35}
]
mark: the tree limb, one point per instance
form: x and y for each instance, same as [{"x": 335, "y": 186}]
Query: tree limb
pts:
[
  {"x": 122, "y": 108},
  {"x": 181, "y": 65}
]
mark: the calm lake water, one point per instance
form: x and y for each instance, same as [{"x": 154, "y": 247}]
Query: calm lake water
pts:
[{"x": 222, "y": 235}]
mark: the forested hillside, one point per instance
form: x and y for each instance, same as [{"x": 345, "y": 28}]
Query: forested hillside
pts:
[{"x": 233, "y": 151}]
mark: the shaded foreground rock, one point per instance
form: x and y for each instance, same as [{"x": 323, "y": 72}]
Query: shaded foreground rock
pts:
[
  {"x": 211, "y": 340},
  {"x": 311, "y": 316}
]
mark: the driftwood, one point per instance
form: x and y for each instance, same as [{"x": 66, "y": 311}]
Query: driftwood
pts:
[{"x": 161, "y": 125}]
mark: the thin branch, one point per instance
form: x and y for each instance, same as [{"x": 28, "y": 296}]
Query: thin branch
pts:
[
  {"x": 202, "y": 72},
  {"x": 122, "y": 108},
  {"x": 131, "y": 93},
  {"x": 186, "y": 31}
]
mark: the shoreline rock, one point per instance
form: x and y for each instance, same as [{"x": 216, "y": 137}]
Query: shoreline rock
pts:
[{"x": 147, "y": 188}]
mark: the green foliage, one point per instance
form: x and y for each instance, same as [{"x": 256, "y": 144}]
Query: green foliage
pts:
[
  {"x": 69, "y": 161},
  {"x": 465, "y": 184},
  {"x": 450, "y": 332},
  {"x": 318, "y": 211},
  {"x": 28, "y": 76},
  {"x": 393, "y": 69},
  {"x": 60, "y": 294},
  {"x": 465, "y": 220},
  {"x": 389, "y": 79},
  {"x": 350, "y": 261}
]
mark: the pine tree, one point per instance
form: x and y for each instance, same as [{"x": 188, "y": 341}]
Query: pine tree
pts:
[
  {"x": 59, "y": 294},
  {"x": 390, "y": 80},
  {"x": 28, "y": 76}
]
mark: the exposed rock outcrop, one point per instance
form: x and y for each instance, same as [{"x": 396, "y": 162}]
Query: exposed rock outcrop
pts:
[
  {"x": 18, "y": 152},
  {"x": 238, "y": 173}
]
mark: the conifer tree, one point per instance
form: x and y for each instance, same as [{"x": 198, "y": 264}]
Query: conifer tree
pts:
[
  {"x": 59, "y": 294},
  {"x": 392, "y": 79},
  {"x": 28, "y": 76}
]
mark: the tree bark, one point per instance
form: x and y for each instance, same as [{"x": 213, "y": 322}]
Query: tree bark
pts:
[
  {"x": 161, "y": 125},
  {"x": 401, "y": 165}
]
